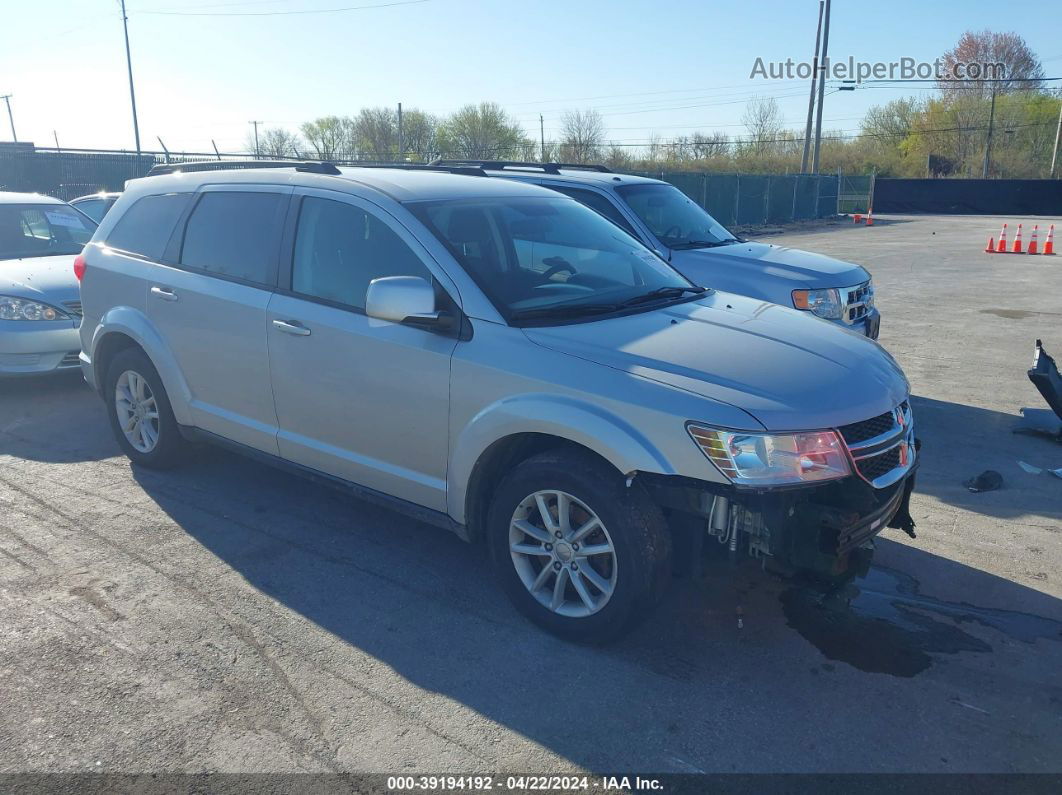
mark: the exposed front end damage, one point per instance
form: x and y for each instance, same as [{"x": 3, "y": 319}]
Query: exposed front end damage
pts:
[{"x": 823, "y": 531}]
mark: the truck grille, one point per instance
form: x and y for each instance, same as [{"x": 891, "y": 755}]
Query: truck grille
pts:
[
  {"x": 858, "y": 301},
  {"x": 883, "y": 447}
]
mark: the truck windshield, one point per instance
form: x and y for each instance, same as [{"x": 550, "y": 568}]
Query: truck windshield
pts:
[
  {"x": 676, "y": 220},
  {"x": 543, "y": 259},
  {"x": 42, "y": 230}
]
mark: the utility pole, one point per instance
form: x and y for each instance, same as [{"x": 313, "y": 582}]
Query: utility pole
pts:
[
  {"x": 1054, "y": 152},
  {"x": 129, "y": 65},
  {"x": 542, "y": 136},
  {"x": 401, "y": 143},
  {"x": 988, "y": 140},
  {"x": 10, "y": 118},
  {"x": 811, "y": 96},
  {"x": 257, "y": 151},
  {"x": 822, "y": 86}
]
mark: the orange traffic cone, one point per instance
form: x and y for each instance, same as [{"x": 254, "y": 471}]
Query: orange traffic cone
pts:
[
  {"x": 991, "y": 247},
  {"x": 1016, "y": 249},
  {"x": 1032, "y": 241},
  {"x": 1049, "y": 244},
  {"x": 870, "y": 217},
  {"x": 1001, "y": 246},
  {"x": 857, "y": 218}
]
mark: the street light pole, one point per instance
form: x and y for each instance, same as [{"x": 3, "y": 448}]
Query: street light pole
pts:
[
  {"x": 10, "y": 118},
  {"x": 129, "y": 65}
]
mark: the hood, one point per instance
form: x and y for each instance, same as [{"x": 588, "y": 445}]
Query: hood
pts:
[
  {"x": 765, "y": 271},
  {"x": 789, "y": 370},
  {"x": 47, "y": 279}
]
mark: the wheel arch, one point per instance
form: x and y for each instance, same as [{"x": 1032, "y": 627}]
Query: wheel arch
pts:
[
  {"x": 513, "y": 430},
  {"x": 124, "y": 327}
]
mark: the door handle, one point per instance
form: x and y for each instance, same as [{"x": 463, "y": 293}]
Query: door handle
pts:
[
  {"x": 164, "y": 293},
  {"x": 293, "y": 327}
]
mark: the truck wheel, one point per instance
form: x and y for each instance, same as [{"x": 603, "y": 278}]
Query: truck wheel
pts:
[
  {"x": 140, "y": 412},
  {"x": 578, "y": 552}
]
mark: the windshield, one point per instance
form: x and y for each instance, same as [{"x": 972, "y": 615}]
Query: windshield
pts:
[
  {"x": 542, "y": 259},
  {"x": 42, "y": 230},
  {"x": 675, "y": 219}
]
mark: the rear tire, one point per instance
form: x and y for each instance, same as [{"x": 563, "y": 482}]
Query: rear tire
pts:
[
  {"x": 140, "y": 412},
  {"x": 565, "y": 516}
]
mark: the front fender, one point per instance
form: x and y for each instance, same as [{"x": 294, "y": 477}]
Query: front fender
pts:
[
  {"x": 607, "y": 434},
  {"x": 135, "y": 324}
]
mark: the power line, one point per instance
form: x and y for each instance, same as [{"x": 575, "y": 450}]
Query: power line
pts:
[{"x": 281, "y": 13}]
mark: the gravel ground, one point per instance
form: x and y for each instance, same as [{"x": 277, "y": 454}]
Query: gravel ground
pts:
[{"x": 228, "y": 617}]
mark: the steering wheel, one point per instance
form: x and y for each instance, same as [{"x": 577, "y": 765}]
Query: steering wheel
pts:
[{"x": 558, "y": 265}]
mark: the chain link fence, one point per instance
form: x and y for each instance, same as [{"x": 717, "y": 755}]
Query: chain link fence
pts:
[{"x": 733, "y": 199}]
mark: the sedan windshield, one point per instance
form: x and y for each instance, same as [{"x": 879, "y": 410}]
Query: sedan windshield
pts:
[
  {"x": 42, "y": 230},
  {"x": 543, "y": 260},
  {"x": 675, "y": 219}
]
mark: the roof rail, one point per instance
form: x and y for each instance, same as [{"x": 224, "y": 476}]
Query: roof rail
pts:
[
  {"x": 501, "y": 165},
  {"x": 312, "y": 166}
]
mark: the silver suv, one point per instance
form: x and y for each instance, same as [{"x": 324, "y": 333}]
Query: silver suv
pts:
[
  {"x": 678, "y": 229},
  {"x": 501, "y": 361}
]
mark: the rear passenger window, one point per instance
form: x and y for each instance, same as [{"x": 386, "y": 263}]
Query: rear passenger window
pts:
[
  {"x": 235, "y": 234},
  {"x": 597, "y": 203},
  {"x": 340, "y": 248},
  {"x": 145, "y": 228}
]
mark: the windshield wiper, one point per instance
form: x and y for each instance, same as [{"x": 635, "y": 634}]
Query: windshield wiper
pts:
[
  {"x": 705, "y": 243},
  {"x": 564, "y": 311},
  {"x": 661, "y": 293}
]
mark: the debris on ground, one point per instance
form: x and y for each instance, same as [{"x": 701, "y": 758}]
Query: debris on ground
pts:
[
  {"x": 989, "y": 480},
  {"x": 1034, "y": 470}
]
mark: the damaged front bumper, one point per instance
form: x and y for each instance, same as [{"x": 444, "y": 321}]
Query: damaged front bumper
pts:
[{"x": 822, "y": 531}]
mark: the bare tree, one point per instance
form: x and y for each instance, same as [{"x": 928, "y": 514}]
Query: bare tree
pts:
[
  {"x": 582, "y": 135},
  {"x": 1021, "y": 68},
  {"x": 763, "y": 120},
  {"x": 274, "y": 142}
]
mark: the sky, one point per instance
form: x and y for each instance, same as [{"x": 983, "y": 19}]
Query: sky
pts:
[{"x": 204, "y": 69}]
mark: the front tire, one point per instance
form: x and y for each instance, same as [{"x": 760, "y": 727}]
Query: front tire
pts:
[
  {"x": 576, "y": 550},
  {"x": 140, "y": 412}
]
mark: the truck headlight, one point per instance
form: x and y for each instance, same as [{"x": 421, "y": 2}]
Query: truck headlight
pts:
[
  {"x": 12, "y": 308},
  {"x": 773, "y": 459},
  {"x": 824, "y": 303}
]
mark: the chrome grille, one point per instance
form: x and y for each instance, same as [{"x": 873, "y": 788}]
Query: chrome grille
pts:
[
  {"x": 883, "y": 447},
  {"x": 73, "y": 307},
  {"x": 858, "y": 301}
]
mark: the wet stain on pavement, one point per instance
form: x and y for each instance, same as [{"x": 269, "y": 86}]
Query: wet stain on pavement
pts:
[
  {"x": 883, "y": 625},
  {"x": 1016, "y": 314}
]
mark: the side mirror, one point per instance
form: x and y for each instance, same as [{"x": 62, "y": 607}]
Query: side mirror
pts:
[{"x": 405, "y": 299}]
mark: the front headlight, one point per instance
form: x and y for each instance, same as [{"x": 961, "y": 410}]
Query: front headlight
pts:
[
  {"x": 824, "y": 303},
  {"x": 773, "y": 459},
  {"x": 12, "y": 308}
]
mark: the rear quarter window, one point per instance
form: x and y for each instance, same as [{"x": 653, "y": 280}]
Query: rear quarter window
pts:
[{"x": 145, "y": 228}]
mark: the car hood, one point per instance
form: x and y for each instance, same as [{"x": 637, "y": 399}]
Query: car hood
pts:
[
  {"x": 48, "y": 279},
  {"x": 789, "y": 370},
  {"x": 766, "y": 271}
]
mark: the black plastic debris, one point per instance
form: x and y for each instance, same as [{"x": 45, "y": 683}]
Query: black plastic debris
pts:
[
  {"x": 1045, "y": 377},
  {"x": 989, "y": 480}
]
